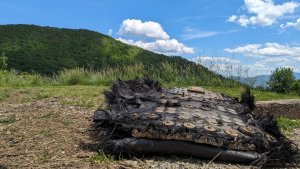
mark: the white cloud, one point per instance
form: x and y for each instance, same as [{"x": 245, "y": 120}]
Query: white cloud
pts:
[
  {"x": 235, "y": 67},
  {"x": 192, "y": 33},
  {"x": 295, "y": 25},
  {"x": 110, "y": 31},
  {"x": 217, "y": 59},
  {"x": 147, "y": 29},
  {"x": 168, "y": 47},
  {"x": 263, "y": 12},
  {"x": 269, "y": 56},
  {"x": 161, "y": 43},
  {"x": 232, "y": 18},
  {"x": 266, "y": 50}
]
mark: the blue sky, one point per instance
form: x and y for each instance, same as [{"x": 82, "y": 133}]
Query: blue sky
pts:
[{"x": 256, "y": 34}]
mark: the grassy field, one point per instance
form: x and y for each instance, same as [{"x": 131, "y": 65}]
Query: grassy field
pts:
[
  {"x": 92, "y": 96},
  {"x": 84, "y": 96},
  {"x": 259, "y": 94}
]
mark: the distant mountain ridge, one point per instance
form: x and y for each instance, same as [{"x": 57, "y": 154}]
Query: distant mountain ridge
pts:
[{"x": 262, "y": 80}]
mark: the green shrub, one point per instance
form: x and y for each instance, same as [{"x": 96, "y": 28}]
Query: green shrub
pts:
[
  {"x": 14, "y": 79},
  {"x": 3, "y": 62},
  {"x": 73, "y": 76},
  {"x": 281, "y": 80},
  {"x": 169, "y": 74},
  {"x": 296, "y": 87}
]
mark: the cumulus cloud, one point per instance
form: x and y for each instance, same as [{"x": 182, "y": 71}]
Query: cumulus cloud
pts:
[
  {"x": 263, "y": 12},
  {"x": 157, "y": 40},
  {"x": 266, "y": 65},
  {"x": 169, "y": 47},
  {"x": 266, "y": 50},
  {"x": 147, "y": 29},
  {"x": 295, "y": 25},
  {"x": 269, "y": 56}
]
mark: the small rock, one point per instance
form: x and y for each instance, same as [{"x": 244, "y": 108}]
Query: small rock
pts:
[
  {"x": 129, "y": 163},
  {"x": 83, "y": 155},
  {"x": 2, "y": 128}
]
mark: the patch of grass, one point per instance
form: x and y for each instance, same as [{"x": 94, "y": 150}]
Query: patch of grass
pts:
[
  {"x": 46, "y": 132},
  {"x": 287, "y": 124},
  {"x": 41, "y": 95},
  {"x": 102, "y": 157},
  {"x": 168, "y": 73},
  {"x": 44, "y": 157},
  {"x": 15, "y": 79},
  {"x": 67, "y": 122},
  {"x": 92, "y": 96},
  {"x": 259, "y": 95},
  {"x": 85, "y": 96},
  {"x": 8, "y": 120},
  {"x": 49, "y": 115},
  {"x": 4, "y": 94}
]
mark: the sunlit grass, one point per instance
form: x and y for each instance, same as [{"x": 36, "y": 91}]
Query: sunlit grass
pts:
[
  {"x": 85, "y": 96},
  {"x": 259, "y": 95},
  {"x": 287, "y": 124},
  {"x": 102, "y": 157},
  {"x": 168, "y": 74}
]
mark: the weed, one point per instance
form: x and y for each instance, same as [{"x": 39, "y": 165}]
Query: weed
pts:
[
  {"x": 8, "y": 120},
  {"x": 4, "y": 94},
  {"x": 49, "y": 115},
  {"x": 41, "y": 96},
  {"x": 46, "y": 132},
  {"x": 44, "y": 157},
  {"x": 67, "y": 122},
  {"x": 102, "y": 157}
]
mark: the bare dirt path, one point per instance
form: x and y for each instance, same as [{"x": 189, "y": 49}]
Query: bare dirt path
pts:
[
  {"x": 287, "y": 108},
  {"x": 48, "y": 134}
]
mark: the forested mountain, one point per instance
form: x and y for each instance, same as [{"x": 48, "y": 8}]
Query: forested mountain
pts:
[{"x": 46, "y": 50}]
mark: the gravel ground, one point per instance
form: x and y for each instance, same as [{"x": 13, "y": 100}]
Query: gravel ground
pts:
[{"x": 48, "y": 134}]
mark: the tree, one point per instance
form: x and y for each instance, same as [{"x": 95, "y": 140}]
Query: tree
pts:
[
  {"x": 3, "y": 61},
  {"x": 281, "y": 80},
  {"x": 296, "y": 86}
]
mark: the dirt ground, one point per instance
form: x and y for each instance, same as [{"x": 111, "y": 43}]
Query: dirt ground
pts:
[{"x": 48, "y": 134}]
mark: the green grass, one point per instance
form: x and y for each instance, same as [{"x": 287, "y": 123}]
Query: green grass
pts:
[
  {"x": 84, "y": 96},
  {"x": 102, "y": 157},
  {"x": 92, "y": 96},
  {"x": 4, "y": 94},
  {"x": 259, "y": 95},
  {"x": 46, "y": 132},
  {"x": 8, "y": 120},
  {"x": 287, "y": 124},
  {"x": 49, "y": 115},
  {"x": 168, "y": 74},
  {"x": 67, "y": 122}
]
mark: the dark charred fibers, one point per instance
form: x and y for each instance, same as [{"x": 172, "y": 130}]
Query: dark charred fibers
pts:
[{"x": 143, "y": 118}]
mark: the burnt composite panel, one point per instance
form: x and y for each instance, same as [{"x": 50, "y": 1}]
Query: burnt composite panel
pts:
[{"x": 147, "y": 119}]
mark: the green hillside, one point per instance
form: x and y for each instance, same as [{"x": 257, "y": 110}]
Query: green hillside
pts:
[{"x": 47, "y": 50}]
